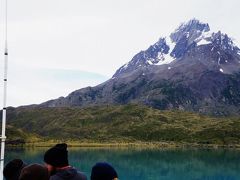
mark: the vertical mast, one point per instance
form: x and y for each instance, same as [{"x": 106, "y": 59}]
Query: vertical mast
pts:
[{"x": 3, "y": 136}]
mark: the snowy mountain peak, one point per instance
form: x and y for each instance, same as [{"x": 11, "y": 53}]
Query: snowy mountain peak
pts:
[
  {"x": 187, "y": 37},
  {"x": 190, "y": 30}
]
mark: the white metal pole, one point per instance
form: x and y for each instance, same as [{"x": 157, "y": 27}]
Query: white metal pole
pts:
[{"x": 3, "y": 137}]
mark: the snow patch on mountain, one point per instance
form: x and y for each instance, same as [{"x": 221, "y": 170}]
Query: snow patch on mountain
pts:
[
  {"x": 203, "y": 42},
  {"x": 149, "y": 61},
  {"x": 170, "y": 43},
  {"x": 167, "y": 60},
  {"x": 160, "y": 56},
  {"x": 219, "y": 59},
  {"x": 204, "y": 39}
]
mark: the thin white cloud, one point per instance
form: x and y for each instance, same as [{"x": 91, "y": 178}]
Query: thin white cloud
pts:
[{"x": 36, "y": 85}]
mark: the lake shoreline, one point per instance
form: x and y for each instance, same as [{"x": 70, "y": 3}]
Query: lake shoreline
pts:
[{"x": 143, "y": 145}]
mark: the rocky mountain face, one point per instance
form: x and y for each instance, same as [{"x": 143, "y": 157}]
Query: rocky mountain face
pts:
[{"x": 193, "y": 69}]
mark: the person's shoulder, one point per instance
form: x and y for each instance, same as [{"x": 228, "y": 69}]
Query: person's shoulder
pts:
[
  {"x": 55, "y": 177},
  {"x": 75, "y": 175},
  {"x": 81, "y": 176}
]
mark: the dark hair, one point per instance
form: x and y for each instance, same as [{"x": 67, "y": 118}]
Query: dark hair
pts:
[
  {"x": 103, "y": 171},
  {"x": 34, "y": 171},
  {"x": 13, "y": 169}
]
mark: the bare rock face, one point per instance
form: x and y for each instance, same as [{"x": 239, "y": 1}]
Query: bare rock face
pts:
[{"x": 193, "y": 69}]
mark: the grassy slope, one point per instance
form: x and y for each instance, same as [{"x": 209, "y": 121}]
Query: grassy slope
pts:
[{"x": 128, "y": 123}]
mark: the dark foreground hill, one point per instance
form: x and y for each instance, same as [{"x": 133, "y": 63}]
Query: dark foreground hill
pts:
[
  {"x": 193, "y": 69},
  {"x": 116, "y": 124}
]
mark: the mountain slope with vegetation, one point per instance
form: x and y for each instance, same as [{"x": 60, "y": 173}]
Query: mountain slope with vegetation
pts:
[{"x": 120, "y": 124}]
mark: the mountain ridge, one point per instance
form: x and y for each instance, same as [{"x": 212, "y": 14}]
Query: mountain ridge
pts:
[{"x": 193, "y": 69}]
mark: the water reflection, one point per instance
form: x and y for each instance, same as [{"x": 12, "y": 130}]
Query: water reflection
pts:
[{"x": 143, "y": 164}]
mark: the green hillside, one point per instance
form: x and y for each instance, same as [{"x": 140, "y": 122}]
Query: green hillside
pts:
[{"x": 119, "y": 124}]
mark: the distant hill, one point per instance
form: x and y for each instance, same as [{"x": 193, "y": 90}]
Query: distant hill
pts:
[
  {"x": 193, "y": 69},
  {"x": 125, "y": 123}
]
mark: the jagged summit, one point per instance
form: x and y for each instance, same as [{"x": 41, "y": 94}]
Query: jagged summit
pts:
[
  {"x": 185, "y": 38},
  {"x": 191, "y": 30}
]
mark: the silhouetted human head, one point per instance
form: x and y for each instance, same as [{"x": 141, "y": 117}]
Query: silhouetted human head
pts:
[
  {"x": 34, "y": 172},
  {"x": 13, "y": 169},
  {"x": 103, "y": 171},
  {"x": 57, "y": 156}
]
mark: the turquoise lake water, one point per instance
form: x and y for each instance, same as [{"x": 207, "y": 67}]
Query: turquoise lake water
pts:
[{"x": 143, "y": 164}]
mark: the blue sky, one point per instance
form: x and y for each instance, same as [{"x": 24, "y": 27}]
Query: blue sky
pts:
[{"x": 58, "y": 46}]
